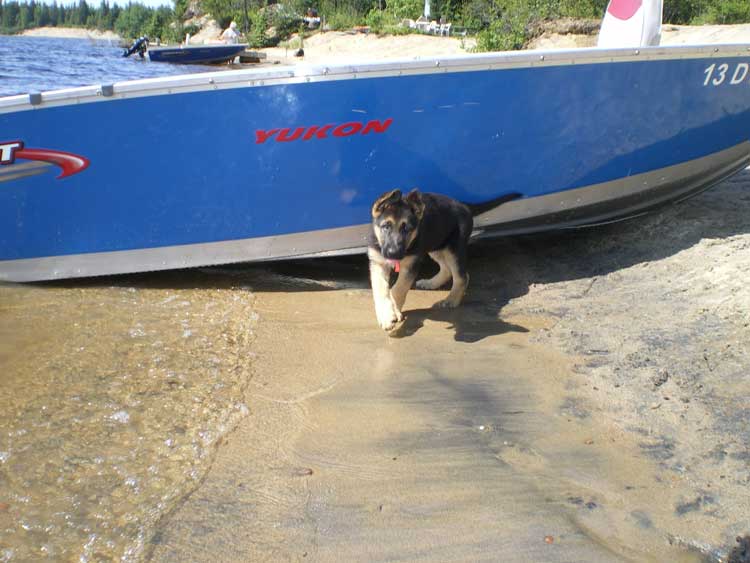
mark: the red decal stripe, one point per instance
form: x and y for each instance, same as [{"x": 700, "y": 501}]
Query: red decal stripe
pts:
[{"x": 69, "y": 163}]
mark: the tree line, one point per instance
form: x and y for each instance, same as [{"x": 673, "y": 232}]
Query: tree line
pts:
[
  {"x": 498, "y": 24},
  {"x": 130, "y": 21}
]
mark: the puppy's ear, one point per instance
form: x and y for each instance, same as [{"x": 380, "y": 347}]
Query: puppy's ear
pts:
[
  {"x": 386, "y": 199},
  {"x": 415, "y": 201}
]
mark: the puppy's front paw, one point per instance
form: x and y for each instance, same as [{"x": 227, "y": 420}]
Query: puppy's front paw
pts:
[{"x": 388, "y": 316}]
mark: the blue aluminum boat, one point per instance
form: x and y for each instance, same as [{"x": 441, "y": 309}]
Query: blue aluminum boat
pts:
[
  {"x": 265, "y": 164},
  {"x": 195, "y": 54}
]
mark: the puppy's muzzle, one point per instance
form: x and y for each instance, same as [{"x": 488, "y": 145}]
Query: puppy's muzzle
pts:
[
  {"x": 393, "y": 253},
  {"x": 394, "y": 247}
]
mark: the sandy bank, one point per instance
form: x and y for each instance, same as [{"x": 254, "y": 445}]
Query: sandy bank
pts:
[
  {"x": 671, "y": 35},
  {"x": 708, "y": 34},
  {"x": 341, "y": 47},
  {"x": 71, "y": 33}
]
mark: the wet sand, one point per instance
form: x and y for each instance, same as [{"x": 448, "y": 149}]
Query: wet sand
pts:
[
  {"x": 587, "y": 403},
  {"x": 361, "y": 447}
]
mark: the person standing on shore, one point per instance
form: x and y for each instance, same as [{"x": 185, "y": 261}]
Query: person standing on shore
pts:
[{"x": 230, "y": 34}]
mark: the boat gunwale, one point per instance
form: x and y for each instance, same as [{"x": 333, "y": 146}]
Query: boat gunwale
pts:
[{"x": 253, "y": 78}]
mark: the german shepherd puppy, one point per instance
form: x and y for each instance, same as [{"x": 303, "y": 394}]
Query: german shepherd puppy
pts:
[{"x": 405, "y": 229}]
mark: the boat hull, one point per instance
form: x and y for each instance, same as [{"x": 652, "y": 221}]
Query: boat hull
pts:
[
  {"x": 195, "y": 54},
  {"x": 279, "y": 164}
]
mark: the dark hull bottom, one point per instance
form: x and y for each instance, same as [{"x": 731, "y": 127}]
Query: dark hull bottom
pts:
[{"x": 590, "y": 205}]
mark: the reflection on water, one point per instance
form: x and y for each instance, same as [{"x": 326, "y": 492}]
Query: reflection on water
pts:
[{"x": 113, "y": 397}]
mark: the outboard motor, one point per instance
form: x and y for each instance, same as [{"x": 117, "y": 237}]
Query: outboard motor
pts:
[{"x": 139, "y": 46}]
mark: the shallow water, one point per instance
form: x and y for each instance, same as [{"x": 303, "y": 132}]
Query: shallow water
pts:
[
  {"x": 114, "y": 397},
  {"x": 38, "y": 64},
  {"x": 463, "y": 440}
]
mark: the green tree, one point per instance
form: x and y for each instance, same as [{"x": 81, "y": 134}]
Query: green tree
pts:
[
  {"x": 401, "y": 9},
  {"x": 54, "y": 14},
  {"x": 10, "y": 16},
  {"x": 133, "y": 21},
  {"x": 25, "y": 16},
  {"x": 82, "y": 17},
  {"x": 725, "y": 12},
  {"x": 114, "y": 13},
  {"x": 103, "y": 20},
  {"x": 159, "y": 23}
]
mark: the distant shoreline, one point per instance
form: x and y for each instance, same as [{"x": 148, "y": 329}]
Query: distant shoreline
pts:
[{"x": 71, "y": 33}]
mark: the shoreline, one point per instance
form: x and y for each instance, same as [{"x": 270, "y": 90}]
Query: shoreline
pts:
[
  {"x": 71, "y": 33},
  {"x": 346, "y": 45}
]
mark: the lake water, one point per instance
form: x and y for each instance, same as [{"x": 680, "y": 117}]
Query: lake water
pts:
[
  {"x": 114, "y": 392},
  {"x": 38, "y": 64}
]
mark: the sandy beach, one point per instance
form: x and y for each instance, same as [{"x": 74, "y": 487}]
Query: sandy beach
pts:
[
  {"x": 340, "y": 47},
  {"x": 71, "y": 33},
  {"x": 588, "y": 401}
]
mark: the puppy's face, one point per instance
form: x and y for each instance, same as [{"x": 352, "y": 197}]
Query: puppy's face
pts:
[{"x": 395, "y": 220}]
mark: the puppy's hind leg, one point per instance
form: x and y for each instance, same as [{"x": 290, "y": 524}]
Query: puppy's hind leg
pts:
[
  {"x": 442, "y": 277},
  {"x": 456, "y": 255},
  {"x": 456, "y": 261}
]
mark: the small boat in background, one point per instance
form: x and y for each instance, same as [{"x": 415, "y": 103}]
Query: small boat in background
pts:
[
  {"x": 186, "y": 54},
  {"x": 196, "y": 54}
]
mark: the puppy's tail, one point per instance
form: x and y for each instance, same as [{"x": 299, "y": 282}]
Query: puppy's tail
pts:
[{"x": 479, "y": 208}]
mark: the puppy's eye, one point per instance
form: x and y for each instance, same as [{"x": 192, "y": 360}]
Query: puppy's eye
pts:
[
  {"x": 386, "y": 226},
  {"x": 404, "y": 228}
]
